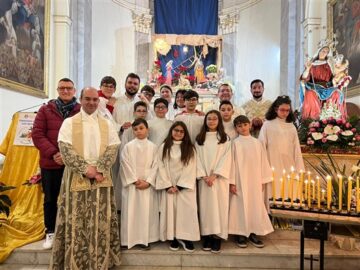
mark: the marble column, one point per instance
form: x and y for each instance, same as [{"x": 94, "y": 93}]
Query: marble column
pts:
[
  {"x": 290, "y": 48},
  {"x": 80, "y": 66},
  {"x": 60, "y": 49}
]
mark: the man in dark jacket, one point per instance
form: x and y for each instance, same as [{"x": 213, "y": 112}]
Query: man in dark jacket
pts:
[{"x": 45, "y": 134}]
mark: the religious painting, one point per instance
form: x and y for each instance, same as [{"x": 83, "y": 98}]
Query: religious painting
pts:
[
  {"x": 344, "y": 26},
  {"x": 24, "y": 45}
]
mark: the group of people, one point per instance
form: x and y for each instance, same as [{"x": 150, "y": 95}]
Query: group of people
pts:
[{"x": 173, "y": 172}]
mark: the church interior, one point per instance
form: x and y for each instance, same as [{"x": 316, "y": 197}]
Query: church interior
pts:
[{"x": 197, "y": 45}]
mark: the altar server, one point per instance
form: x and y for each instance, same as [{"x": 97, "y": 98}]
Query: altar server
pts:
[
  {"x": 139, "y": 208},
  {"x": 227, "y": 111},
  {"x": 279, "y": 136},
  {"x": 248, "y": 216},
  {"x": 214, "y": 162},
  {"x": 177, "y": 178},
  {"x": 192, "y": 117},
  {"x": 159, "y": 126}
]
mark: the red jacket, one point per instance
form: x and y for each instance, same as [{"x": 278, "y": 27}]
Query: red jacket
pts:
[{"x": 45, "y": 133}]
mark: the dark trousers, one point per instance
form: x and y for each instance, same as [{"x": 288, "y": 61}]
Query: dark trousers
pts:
[{"x": 51, "y": 182}]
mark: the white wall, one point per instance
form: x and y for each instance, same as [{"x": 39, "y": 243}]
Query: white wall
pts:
[
  {"x": 113, "y": 42},
  {"x": 258, "y": 49}
]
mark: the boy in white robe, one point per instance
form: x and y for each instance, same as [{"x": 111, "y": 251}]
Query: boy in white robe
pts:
[
  {"x": 159, "y": 126},
  {"x": 248, "y": 216},
  {"x": 139, "y": 208},
  {"x": 177, "y": 180},
  {"x": 227, "y": 111},
  {"x": 192, "y": 118},
  {"x": 140, "y": 111}
]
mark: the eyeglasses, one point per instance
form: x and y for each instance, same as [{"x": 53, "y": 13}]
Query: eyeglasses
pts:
[
  {"x": 66, "y": 88},
  {"x": 111, "y": 86},
  {"x": 193, "y": 99},
  {"x": 181, "y": 131},
  {"x": 161, "y": 107}
]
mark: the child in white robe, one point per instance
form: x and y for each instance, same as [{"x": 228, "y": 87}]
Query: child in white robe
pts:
[
  {"x": 139, "y": 208},
  {"x": 214, "y": 164},
  {"x": 248, "y": 216},
  {"x": 227, "y": 111},
  {"x": 192, "y": 118},
  {"x": 280, "y": 139},
  {"x": 140, "y": 111},
  {"x": 159, "y": 125},
  {"x": 177, "y": 179}
]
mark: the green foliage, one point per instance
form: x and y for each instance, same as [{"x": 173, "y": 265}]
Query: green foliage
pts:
[{"x": 5, "y": 201}]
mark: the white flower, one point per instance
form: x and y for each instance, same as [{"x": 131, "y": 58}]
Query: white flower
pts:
[
  {"x": 316, "y": 136},
  {"x": 347, "y": 133},
  {"x": 333, "y": 138},
  {"x": 329, "y": 129},
  {"x": 355, "y": 168}
]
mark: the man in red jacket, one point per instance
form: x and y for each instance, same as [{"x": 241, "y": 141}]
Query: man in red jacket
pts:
[{"x": 45, "y": 134}]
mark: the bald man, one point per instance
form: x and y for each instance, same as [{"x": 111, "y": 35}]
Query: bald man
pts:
[{"x": 88, "y": 145}]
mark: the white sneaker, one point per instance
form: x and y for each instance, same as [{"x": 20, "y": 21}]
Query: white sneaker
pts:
[{"x": 49, "y": 241}]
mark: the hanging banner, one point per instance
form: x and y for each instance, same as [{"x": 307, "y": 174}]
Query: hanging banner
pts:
[{"x": 23, "y": 135}]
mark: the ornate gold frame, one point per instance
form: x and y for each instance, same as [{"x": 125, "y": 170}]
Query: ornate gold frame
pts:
[
  {"x": 28, "y": 89},
  {"x": 355, "y": 90}
]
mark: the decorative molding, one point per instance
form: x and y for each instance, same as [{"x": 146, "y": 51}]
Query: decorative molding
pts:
[
  {"x": 229, "y": 17},
  {"x": 141, "y": 16},
  {"x": 142, "y": 22}
]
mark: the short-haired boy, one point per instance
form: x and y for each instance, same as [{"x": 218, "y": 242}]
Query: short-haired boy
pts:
[
  {"x": 139, "y": 208},
  {"x": 192, "y": 118},
  {"x": 248, "y": 216},
  {"x": 159, "y": 126}
]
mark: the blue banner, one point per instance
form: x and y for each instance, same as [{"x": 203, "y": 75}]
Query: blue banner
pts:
[{"x": 186, "y": 17}]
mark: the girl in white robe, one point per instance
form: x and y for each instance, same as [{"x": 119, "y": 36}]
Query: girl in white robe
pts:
[
  {"x": 227, "y": 111},
  {"x": 280, "y": 139},
  {"x": 139, "y": 208},
  {"x": 248, "y": 216},
  {"x": 214, "y": 164},
  {"x": 177, "y": 179}
]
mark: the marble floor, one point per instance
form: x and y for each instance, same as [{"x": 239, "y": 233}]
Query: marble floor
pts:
[{"x": 281, "y": 251}]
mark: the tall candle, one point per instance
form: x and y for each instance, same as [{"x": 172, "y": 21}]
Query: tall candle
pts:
[
  {"x": 313, "y": 189},
  {"x": 323, "y": 194},
  {"x": 282, "y": 190},
  {"x": 318, "y": 191},
  {"x": 349, "y": 193},
  {"x": 357, "y": 195},
  {"x": 306, "y": 189},
  {"x": 292, "y": 178},
  {"x": 340, "y": 190},
  {"x": 273, "y": 184},
  {"x": 329, "y": 190},
  {"x": 300, "y": 194},
  {"x": 297, "y": 188},
  {"x": 309, "y": 193},
  {"x": 288, "y": 186}
]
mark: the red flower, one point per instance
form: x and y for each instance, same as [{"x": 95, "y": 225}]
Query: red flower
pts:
[
  {"x": 161, "y": 79},
  {"x": 190, "y": 78},
  {"x": 35, "y": 179},
  {"x": 176, "y": 74},
  {"x": 157, "y": 63},
  {"x": 182, "y": 68}
]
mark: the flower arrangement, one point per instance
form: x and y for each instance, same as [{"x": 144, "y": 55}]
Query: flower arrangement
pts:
[
  {"x": 330, "y": 132},
  {"x": 211, "y": 69}
]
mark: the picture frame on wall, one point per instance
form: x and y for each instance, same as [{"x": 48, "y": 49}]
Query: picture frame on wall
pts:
[
  {"x": 24, "y": 46},
  {"x": 344, "y": 21}
]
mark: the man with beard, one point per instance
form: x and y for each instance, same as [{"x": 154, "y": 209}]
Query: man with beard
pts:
[
  {"x": 256, "y": 108},
  {"x": 123, "y": 107},
  {"x": 225, "y": 92}
]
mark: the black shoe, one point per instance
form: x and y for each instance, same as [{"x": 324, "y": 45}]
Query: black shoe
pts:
[
  {"x": 207, "y": 243},
  {"x": 255, "y": 241},
  {"x": 174, "y": 245},
  {"x": 241, "y": 241},
  {"x": 216, "y": 245},
  {"x": 145, "y": 247},
  {"x": 187, "y": 245}
]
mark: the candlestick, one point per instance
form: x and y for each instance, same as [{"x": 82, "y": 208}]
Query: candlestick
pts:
[
  {"x": 292, "y": 177},
  {"x": 273, "y": 184},
  {"x": 288, "y": 186},
  {"x": 340, "y": 190},
  {"x": 323, "y": 194},
  {"x": 300, "y": 195},
  {"x": 297, "y": 188},
  {"x": 313, "y": 189},
  {"x": 318, "y": 191},
  {"x": 282, "y": 190},
  {"x": 309, "y": 194},
  {"x": 357, "y": 195},
  {"x": 329, "y": 190},
  {"x": 349, "y": 193},
  {"x": 306, "y": 189}
]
